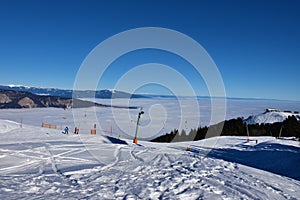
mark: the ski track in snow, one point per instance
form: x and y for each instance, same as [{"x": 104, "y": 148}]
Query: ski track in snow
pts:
[{"x": 45, "y": 164}]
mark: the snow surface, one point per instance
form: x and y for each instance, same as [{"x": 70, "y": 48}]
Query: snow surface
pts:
[
  {"x": 270, "y": 117},
  {"x": 41, "y": 163}
]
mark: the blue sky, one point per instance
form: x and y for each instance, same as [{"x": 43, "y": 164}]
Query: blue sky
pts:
[{"x": 255, "y": 44}]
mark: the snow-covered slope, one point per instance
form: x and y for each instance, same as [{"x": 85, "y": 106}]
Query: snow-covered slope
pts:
[
  {"x": 270, "y": 117},
  {"x": 38, "y": 163},
  {"x": 6, "y": 126}
]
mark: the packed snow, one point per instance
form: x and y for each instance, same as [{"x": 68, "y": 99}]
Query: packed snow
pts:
[{"x": 44, "y": 163}]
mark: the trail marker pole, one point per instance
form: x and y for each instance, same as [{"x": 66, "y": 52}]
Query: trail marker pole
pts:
[
  {"x": 65, "y": 114},
  {"x": 93, "y": 131}
]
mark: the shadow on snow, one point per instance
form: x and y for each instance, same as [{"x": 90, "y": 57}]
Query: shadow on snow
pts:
[{"x": 276, "y": 158}]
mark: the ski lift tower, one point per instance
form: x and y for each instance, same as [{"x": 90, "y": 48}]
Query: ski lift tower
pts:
[{"x": 135, "y": 140}]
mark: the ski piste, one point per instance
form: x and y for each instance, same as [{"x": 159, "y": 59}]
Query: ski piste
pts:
[{"x": 42, "y": 162}]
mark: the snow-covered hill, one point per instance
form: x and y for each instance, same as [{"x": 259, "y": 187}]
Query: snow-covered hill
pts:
[
  {"x": 270, "y": 117},
  {"x": 38, "y": 163}
]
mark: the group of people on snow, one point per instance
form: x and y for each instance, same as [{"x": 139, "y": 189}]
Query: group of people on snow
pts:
[{"x": 66, "y": 130}]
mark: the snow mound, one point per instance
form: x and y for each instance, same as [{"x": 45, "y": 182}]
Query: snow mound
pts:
[
  {"x": 6, "y": 126},
  {"x": 270, "y": 117}
]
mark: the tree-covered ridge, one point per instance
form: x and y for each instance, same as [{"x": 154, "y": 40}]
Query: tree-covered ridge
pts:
[{"x": 236, "y": 127}]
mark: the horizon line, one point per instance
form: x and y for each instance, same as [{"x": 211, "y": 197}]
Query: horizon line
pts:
[{"x": 158, "y": 95}]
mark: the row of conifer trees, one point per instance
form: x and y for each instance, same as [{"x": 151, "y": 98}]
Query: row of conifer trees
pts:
[{"x": 235, "y": 127}]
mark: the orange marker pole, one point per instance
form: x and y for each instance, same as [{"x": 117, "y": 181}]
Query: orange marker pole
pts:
[{"x": 248, "y": 139}]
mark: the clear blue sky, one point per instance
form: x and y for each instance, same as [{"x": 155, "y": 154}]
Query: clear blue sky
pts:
[{"x": 255, "y": 44}]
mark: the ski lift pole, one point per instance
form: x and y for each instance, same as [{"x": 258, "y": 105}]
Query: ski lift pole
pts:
[
  {"x": 248, "y": 139},
  {"x": 135, "y": 140},
  {"x": 280, "y": 132}
]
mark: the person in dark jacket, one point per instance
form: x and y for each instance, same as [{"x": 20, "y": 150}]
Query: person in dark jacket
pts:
[
  {"x": 76, "y": 130},
  {"x": 67, "y": 130}
]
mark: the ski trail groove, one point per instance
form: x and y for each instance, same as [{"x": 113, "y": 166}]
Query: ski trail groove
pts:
[{"x": 55, "y": 169}]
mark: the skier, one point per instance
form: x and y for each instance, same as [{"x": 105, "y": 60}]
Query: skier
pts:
[
  {"x": 76, "y": 130},
  {"x": 66, "y": 130}
]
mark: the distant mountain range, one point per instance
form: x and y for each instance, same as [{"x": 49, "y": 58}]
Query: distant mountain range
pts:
[
  {"x": 21, "y": 99},
  {"x": 101, "y": 94}
]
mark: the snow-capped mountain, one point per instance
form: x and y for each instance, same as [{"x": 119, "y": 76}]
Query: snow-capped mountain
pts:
[
  {"x": 271, "y": 116},
  {"x": 101, "y": 94}
]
